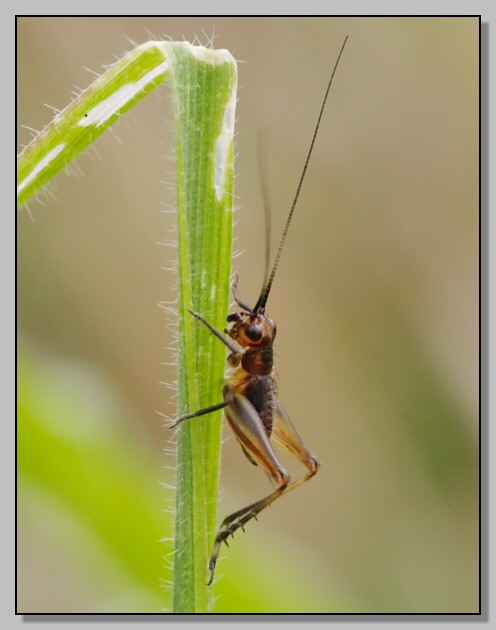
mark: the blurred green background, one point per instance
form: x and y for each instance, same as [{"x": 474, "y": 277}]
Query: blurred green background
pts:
[{"x": 376, "y": 303}]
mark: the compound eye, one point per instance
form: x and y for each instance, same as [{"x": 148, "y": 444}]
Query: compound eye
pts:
[{"x": 253, "y": 332}]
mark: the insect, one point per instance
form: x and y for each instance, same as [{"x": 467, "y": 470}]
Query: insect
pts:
[{"x": 250, "y": 400}]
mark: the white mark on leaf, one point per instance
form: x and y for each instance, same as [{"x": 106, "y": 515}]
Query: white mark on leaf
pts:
[
  {"x": 101, "y": 112},
  {"x": 42, "y": 164},
  {"x": 223, "y": 145}
]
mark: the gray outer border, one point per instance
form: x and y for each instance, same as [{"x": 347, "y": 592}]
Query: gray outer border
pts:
[{"x": 359, "y": 7}]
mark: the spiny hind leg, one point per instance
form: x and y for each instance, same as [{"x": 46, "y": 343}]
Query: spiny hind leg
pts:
[
  {"x": 251, "y": 434},
  {"x": 238, "y": 520},
  {"x": 285, "y": 435}
]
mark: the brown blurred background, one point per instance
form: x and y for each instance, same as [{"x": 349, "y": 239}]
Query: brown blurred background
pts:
[{"x": 376, "y": 297}]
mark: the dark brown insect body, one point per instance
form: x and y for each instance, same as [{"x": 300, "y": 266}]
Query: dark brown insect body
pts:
[
  {"x": 250, "y": 401},
  {"x": 253, "y": 411},
  {"x": 254, "y": 378}
]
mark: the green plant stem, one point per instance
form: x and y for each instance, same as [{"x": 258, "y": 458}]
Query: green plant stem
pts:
[{"x": 204, "y": 163}]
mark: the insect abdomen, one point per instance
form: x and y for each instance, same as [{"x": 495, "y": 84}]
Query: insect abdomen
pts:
[{"x": 260, "y": 391}]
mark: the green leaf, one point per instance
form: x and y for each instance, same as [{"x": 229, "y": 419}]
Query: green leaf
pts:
[{"x": 89, "y": 115}]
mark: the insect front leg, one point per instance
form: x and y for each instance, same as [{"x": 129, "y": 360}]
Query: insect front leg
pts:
[
  {"x": 235, "y": 294},
  {"x": 250, "y": 432},
  {"x": 233, "y": 358}
]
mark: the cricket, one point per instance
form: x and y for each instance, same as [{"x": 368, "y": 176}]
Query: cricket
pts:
[{"x": 250, "y": 402}]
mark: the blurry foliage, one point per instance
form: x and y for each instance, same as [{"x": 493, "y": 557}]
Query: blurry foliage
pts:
[{"x": 93, "y": 494}]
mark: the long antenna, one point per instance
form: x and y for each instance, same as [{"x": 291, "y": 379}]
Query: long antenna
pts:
[
  {"x": 264, "y": 185},
  {"x": 262, "y": 300}
]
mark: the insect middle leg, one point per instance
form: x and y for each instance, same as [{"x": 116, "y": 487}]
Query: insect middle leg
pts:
[{"x": 285, "y": 435}]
